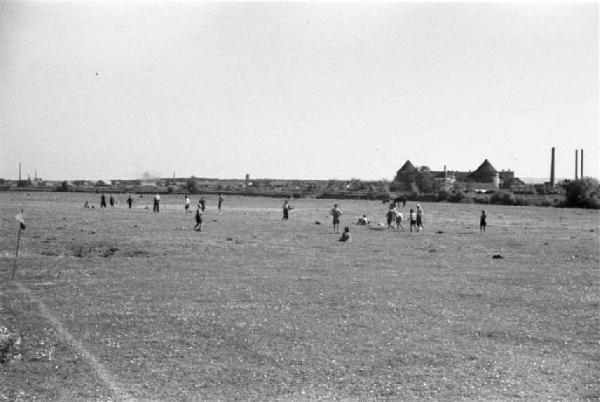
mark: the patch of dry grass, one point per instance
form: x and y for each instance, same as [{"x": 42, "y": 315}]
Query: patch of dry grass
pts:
[{"x": 256, "y": 308}]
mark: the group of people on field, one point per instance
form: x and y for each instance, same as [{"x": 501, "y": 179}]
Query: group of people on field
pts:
[
  {"x": 156, "y": 203},
  {"x": 394, "y": 216}
]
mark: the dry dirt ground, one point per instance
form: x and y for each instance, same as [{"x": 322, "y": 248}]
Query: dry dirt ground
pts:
[{"x": 128, "y": 304}]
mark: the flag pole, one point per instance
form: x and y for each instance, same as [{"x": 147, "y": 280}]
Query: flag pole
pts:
[
  {"x": 19, "y": 218},
  {"x": 16, "y": 253}
]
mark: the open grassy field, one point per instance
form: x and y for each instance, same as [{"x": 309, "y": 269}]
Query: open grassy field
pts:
[{"x": 128, "y": 304}]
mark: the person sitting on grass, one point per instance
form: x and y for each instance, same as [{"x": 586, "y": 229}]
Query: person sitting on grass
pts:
[
  {"x": 362, "y": 220},
  {"x": 198, "y": 226},
  {"x": 482, "y": 222},
  {"x": 346, "y": 235}
]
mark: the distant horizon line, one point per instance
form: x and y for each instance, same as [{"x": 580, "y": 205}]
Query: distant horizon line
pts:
[{"x": 526, "y": 180}]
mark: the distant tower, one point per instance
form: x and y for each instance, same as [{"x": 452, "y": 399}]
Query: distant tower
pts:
[
  {"x": 19, "y": 171},
  {"x": 576, "y": 164},
  {"x": 247, "y": 180},
  {"x": 552, "y": 168},
  {"x": 581, "y": 170}
]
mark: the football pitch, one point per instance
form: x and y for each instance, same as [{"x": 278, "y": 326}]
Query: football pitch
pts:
[{"x": 127, "y": 304}]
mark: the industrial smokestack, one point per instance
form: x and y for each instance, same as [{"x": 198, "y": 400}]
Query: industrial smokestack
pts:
[
  {"x": 552, "y": 168},
  {"x": 576, "y": 164},
  {"x": 581, "y": 170}
]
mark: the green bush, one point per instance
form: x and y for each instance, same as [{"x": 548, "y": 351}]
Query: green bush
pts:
[
  {"x": 503, "y": 198},
  {"x": 521, "y": 201},
  {"x": 582, "y": 193},
  {"x": 443, "y": 195},
  {"x": 457, "y": 196}
]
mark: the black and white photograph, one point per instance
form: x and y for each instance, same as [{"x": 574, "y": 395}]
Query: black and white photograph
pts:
[{"x": 299, "y": 200}]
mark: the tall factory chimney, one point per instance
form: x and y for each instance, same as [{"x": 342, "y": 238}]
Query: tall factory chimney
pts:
[
  {"x": 581, "y": 170},
  {"x": 19, "y": 171},
  {"x": 576, "y": 164},
  {"x": 552, "y": 168}
]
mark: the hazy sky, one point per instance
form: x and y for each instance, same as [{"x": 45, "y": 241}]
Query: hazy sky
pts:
[{"x": 103, "y": 90}]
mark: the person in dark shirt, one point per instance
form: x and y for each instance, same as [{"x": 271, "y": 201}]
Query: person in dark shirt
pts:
[
  {"x": 482, "y": 222},
  {"x": 286, "y": 211},
  {"x": 346, "y": 235}
]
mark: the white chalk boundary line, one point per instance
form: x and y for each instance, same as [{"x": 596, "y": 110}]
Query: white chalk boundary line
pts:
[{"x": 101, "y": 372}]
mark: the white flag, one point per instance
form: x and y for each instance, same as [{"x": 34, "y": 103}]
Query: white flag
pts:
[{"x": 20, "y": 219}]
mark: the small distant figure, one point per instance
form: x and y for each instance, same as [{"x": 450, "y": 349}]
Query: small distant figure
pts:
[
  {"x": 399, "y": 219},
  {"x": 363, "y": 220},
  {"x": 129, "y": 201},
  {"x": 346, "y": 235},
  {"x": 202, "y": 203},
  {"x": 482, "y": 222},
  {"x": 187, "y": 204},
  {"x": 412, "y": 216},
  {"x": 198, "y": 226},
  {"x": 286, "y": 210},
  {"x": 102, "y": 201},
  {"x": 336, "y": 212},
  {"x": 156, "y": 207},
  {"x": 419, "y": 218},
  {"x": 111, "y": 200},
  {"x": 86, "y": 204},
  {"x": 391, "y": 217},
  {"x": 220, "y": 203}
]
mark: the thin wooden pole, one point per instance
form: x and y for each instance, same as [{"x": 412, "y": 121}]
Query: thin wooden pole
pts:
[{"x": 16, "y": 253}]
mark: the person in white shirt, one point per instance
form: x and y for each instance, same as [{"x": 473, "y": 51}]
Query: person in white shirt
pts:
[
  {"x": 413, "y": 219},
  {"x": 399, "y": 219},
  {"x": 156, "y": 207},
  {"x": 187, "y": 204}
]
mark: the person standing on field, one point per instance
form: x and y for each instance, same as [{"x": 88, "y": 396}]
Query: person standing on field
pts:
[
  {"x": 419, "y": 218},
  {"x": 391, "y": 217},
  {"x": 111, "y": 200},
  {"x": 102, "y": 201},
  {"x": 482, "y": 222},
  {"x": 220, "y": 202},
  {"x": 286, "y": 210},
  {"x": 187, "y": 204},
  {"x": 399, "y": 218},
  {"x": 198, "y": 226},
  {"x": 336, "y": 213},
  {"x": 412, "y": 216},
  {"x": 129, "y": 201},
  {"x": 202, "y": 203},
  {"x": 156, "y": 207}
]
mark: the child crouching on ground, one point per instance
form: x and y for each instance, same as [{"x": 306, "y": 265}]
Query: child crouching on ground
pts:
[{"x": 346, "y": 235}]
